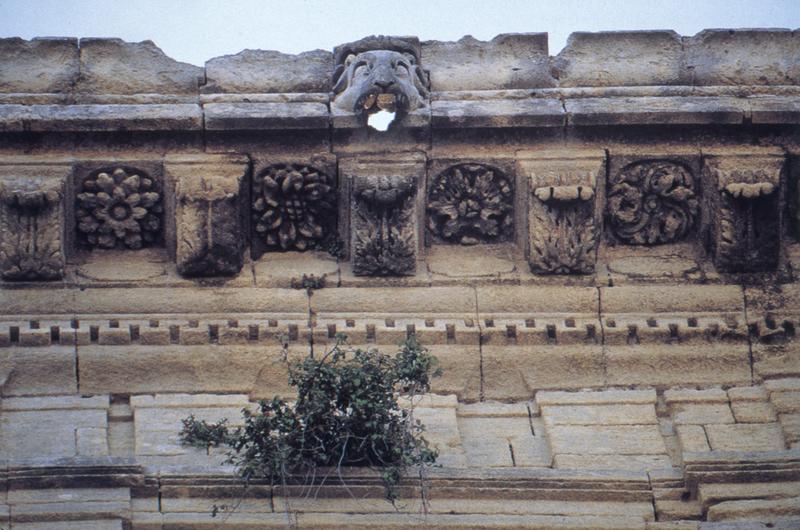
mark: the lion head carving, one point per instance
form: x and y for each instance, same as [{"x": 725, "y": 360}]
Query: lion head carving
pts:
[{"x": 379, "y": 73}]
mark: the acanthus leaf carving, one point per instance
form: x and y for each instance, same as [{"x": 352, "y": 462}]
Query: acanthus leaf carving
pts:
[
  {"x": 31, "y": 227},
  {"x": 119, "y": 208},
  {"x": 471, "y": 203},
  {"x": 384, "y": 233},
  {"x": 563, "y": 234},
  {"x": 744, "y": 209}
]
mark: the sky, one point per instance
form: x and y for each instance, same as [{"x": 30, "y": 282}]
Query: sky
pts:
[{"x": 194, "y": 31}]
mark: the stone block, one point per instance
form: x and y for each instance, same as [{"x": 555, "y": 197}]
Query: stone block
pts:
[
  {"x": 748, "y": 393},
  {"x": 43, "y": 65},
  {"x": 786, "y": 401},
  {"x": 602, "y": 397},
  {"x": 387, "y": 302},
  {"x": 605, "y": 440},
  {"x": 267, "y": 71},
  {"x": 441, "y": 431},
  {"x": 110, "y": 118},
  {"x": 502, "y": 442},
  {"x": 265, "y": 116},
  {"x": 655, "y": 110},
  {"x": 54, "y": 403},
  {"x": 701, "y": 414},
  {"x": 83, "y": 524},
  {"x": 497, "y": 113},
  {"x": 138, "y": 369},
  {"x": 621, "y": 58},
  {"x": 681, "y": 299},
  {"x": 672, "y": 365},
  {"x": 509, "y": 61},
  {"x": 40, "y": 434},
  {"x": 91, "y": 441},
  {"x": 755, "y": 510},
  {"x": 744, "y": 57},
  {"x": 526, "y": 300},
  {"x": 711, "y": 494},
  {"x": 616, "y": 462},
  {"x": 36, "y": 371},
  {"x": 692, "y": 438},
  {"x": 774, "y": 109},
  {"x": 113, "y": 66},
  {"x": 209, "y": 214},
  {"x": 516, "y": 372},
  {"x": 791, "y": 426},
  {"x": 753, "y": 412},
  {"x": 616, "y": 414},
  {"x": 746, "y": 437}
]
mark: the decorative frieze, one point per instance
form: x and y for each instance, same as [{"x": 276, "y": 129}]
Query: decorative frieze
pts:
[
  {"x": 208, "y": 214},
  {"x": 563, "y": 213},
  {"x": 651, "y": 202},
  {"x": 744, "y": 208},
  {"x": 32, "y": 223},
  {"x": 384, "y": 211},
  {"x": 119, "y": 207},
  {"x": 294, "y": 206},
  {"x": 471, "y": 203}
]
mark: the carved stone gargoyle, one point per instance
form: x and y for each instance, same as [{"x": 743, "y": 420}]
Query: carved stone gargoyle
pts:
[{"x": 379, "y": 73}]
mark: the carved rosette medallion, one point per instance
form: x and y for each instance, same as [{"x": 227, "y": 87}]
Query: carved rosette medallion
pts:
[
  {"x": 651, "y": 202},
  {"x": 471, "y": 203},
  {"x": 119, "y": 208},
  {"x": 31, "y": 225},
  {"x": 384, "y": 233},
  {"x": 294, "y": 206}
]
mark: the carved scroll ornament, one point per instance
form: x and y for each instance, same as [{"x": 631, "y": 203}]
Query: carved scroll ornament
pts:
[{"x": 652, "y": 202}]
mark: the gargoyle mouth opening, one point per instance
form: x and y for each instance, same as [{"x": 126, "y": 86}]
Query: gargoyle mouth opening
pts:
[{"x": 380, "y": 109}]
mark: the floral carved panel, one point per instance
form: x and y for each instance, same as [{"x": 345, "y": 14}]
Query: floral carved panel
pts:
[
  {"x": 294, "y": 207},
  {"x": 470, "y": 204},
  {"x": 119, "y": 207},
  {"x": 651, "y": 202}
]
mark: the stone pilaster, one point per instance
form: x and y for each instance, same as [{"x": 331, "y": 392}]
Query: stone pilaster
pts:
[
  {"x": 563, "y": 218},
  {"x": 385, "y": 198},
  {"x": 744, "y": 208},
  {"x": 32, "y": 222},
  {"x": 208, "y": 214}
]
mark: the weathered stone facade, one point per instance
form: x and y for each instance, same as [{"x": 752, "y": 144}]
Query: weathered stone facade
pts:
[{"x": 601, "y": 247}]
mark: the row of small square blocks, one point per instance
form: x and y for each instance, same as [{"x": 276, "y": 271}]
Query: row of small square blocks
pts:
[{"x": 614, "y": 331}]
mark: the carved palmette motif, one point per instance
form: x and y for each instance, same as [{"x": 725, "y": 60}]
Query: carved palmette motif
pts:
[
  {"x": 31, "y": 225},
  {"x": 471, "y": 203},
  {"x": 383, "y": 239},
  {"x": 119, "y": 208},
  {"x": 651, "y": 202},
  {"x": 294, "y": 206}
]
